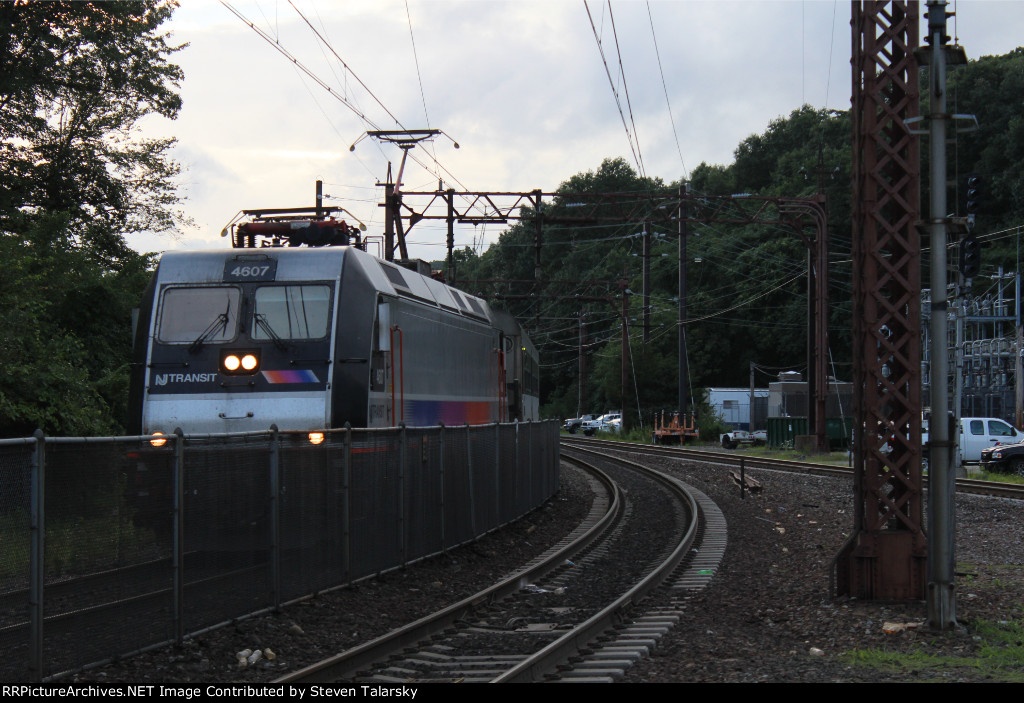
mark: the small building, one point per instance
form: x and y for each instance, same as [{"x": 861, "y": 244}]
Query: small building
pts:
[
  {"x": 787, "y": 397},
  {"x": 733, "y": 406}
]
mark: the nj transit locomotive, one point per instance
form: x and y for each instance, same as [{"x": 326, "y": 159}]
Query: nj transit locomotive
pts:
[{"x": 308, "y": 339}]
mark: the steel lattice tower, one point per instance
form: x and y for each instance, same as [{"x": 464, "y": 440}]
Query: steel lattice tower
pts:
[{"x": 885, "y": 557}]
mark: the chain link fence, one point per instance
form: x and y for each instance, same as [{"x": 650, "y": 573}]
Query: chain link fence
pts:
[{"x": 114, "y": 545}]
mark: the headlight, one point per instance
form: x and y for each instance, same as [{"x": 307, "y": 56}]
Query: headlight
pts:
[
  {"x": 316, "y": 437},
  {"x": 239, "y": 362},
  {"x": 997, "y": 455},
  {"x": 158, "y": 440}
]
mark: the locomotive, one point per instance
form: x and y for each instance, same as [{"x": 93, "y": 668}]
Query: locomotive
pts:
[{"x": 312, "y": 338}]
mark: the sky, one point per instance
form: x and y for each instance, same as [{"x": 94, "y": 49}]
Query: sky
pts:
[{"x": 522, "y": 87}]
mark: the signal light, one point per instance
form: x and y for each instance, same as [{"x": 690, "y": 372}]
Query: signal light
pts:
[
  {"x": 975, "y": 193},
  {"x": 970, "y": 256}
]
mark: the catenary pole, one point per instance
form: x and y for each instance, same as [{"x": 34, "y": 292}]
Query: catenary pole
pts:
[{"x": 941, "y": 597}]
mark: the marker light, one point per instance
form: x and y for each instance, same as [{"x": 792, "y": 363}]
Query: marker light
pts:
[
  {"x": 158, "y": 439},
  {"x": 316, "y": 437}
]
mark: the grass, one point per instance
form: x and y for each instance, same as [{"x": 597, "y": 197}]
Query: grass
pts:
[
  {"x": 998, "y": 656},
  {"x": 72, "y": 545},
  {"x": 992, "y": 649},
  {"x": 840, "y": 458},
  {"x": 1001, "y": 477}
]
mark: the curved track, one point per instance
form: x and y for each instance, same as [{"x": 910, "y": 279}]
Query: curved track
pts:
[
  {"x": 567, "y": 616},
  {"x": 726, "y": 458}
]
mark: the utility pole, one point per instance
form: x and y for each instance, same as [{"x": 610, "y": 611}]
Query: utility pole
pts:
[
  {"x": 684, "y": 380},
  {"x": 1018, "y": 366},
  {"x": 450, "y": 219},
  {"x": 647, "y": 282},
  {"x": 582, "y": 397},
  {"x": 390, "y": 207},
  {"x": 817, "y": 286},
  {"x": 941, "y": 595},
  {"x": 750, "y": 414},
  {"x": 624, "y": 286}
]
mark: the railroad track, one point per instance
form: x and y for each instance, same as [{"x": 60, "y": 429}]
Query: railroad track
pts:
[
  {"x": 963, "y": 485},
  {"x": 571, "y": 615},
  {"x": 133, "y": 592}
]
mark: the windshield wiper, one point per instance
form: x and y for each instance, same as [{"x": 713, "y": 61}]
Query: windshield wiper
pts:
[
  {"x": 220, "y": 323},
  {"x": 261, "y": 322}
]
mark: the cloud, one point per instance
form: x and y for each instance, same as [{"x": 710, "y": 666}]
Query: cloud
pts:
[{"x": 520, "y": 85}]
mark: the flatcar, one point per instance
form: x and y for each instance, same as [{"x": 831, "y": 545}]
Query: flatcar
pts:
[{"x": 312, "y": 338}]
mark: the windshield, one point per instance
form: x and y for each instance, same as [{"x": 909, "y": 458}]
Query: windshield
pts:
[
  {"x": 189, "y": 314},
  {"x": 291, "y": 312}
]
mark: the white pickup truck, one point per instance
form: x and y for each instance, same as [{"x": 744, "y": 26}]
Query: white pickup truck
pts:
[
  {"x": 734, "y": 438},
  {"x": 977, "y": 433}
]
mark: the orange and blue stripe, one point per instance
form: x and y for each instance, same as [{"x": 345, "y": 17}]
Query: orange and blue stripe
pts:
[{"x": 291, "y": 376}]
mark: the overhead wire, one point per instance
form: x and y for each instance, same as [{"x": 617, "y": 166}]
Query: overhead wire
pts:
[
  {"x": 664, "y": 85},
  {"x": 398, "y": 122},
  {"x": 625, "y": 89},
  {"x": 416, "y": 60},
  {"x": 341, "y": 98},
  {"x": 615, "y": 93}
]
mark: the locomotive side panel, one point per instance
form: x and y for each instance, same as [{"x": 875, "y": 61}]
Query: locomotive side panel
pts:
[
  {"x": 445, "y": 368},
  {"x": 522, "y": 368},
  {"x": 354, "y": 324}
]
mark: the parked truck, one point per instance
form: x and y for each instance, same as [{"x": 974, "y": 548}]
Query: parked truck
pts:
[
  {"x": 734, "y": 438},
  {"x": 978, "y": 433}
]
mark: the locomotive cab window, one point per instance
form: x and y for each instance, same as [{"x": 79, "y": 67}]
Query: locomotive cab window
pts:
[
  {"x": 198, "y": 315},
  {"x": 291, "y": 312}
]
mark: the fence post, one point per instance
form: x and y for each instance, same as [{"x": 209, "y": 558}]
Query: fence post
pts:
[
  {"x": 177, "y": 538},
  {"x": 346, "y": 505},
  {"x": 469, "y": 474},
  {"x": 36, "y": 553},
  {"x": 743, "y": 480},
  {"x": 402, "y": 439},
  {"x": 497, "y": 475},
  {"x": 532, "y": 459},
  {"x": 275, "y": 517},
  {"x": 443, "y": 503},
  {"x": 517, "y": 475}
]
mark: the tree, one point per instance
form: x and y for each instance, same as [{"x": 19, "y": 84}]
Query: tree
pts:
[
  {"x": 746, "y": 287},
  {"x": 75, "y": 181},
  {"x": 75, "y": 79},
  {"x": 992, "y": 89}
]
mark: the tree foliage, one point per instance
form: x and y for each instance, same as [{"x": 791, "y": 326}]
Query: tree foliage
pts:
[
  {"x": 992, "y": 89},
  {"x": 76, "y": 180},
  {"x": 746, "y": 285}
]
